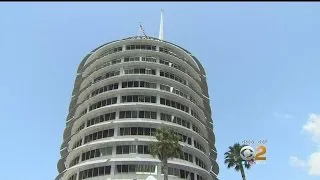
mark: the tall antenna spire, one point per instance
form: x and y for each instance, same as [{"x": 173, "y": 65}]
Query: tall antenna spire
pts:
[{"x": 161, "y": 26}]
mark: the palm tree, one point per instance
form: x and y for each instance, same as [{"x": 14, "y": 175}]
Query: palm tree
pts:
[
  {"x": 167, "y": 147},
  {"x": 232, "y": 159}
]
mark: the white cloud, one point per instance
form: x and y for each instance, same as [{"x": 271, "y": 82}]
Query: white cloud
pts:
[
  {"x": 296, "y": 162},
  {"x": 313, "y": 127},
  {"x": 283, "y": 115},
  {"x": 314, "y": 164}
]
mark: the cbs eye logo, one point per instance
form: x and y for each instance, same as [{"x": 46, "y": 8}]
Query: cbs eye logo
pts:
[{"x": 248, "y": 153}]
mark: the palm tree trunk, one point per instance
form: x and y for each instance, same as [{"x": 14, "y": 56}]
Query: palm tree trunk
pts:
[
  {"x": 165, "y": 168},
  {"x": 242, "y": 172}
]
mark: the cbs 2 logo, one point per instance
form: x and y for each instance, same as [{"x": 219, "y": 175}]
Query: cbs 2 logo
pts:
[{"x": 260, "y": 152}]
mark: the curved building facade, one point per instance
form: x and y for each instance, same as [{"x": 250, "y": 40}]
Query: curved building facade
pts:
[{"x": 123, "y": 92}]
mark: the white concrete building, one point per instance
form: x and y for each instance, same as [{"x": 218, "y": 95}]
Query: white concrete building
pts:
[{"x": 123, "y": 92}]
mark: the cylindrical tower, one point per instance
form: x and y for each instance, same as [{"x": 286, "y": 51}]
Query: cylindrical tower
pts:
[{"x": 123, "y": 92}]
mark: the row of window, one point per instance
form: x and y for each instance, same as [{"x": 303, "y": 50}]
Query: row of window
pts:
[
  {"x": 94, "y": 172},
  {"x": 177, "y": 91},
  {"x": 171, "y": 64},
  {"x": 139, "y": 98},
  {"x": 75, "y": 161},
  {"x": 129, "y": 149},
  {"x": 184, "y": 138},
  {"x": 167, "y": 51},
  {"x": 110, "y": 51},
  {"x": 152, "y": 72},
  {"x": 186, "y": 156},
  {"x": 133, "y": 131},
  {"x": 103, "y": 103},
  {"x": 77, "y": 144},
  {"x": 104, "y": 89},
  {"x": 180, "y": 121},
  {"x": 142, "y": 47},
  {"x": 137, "y": 131},
  {"x": 108, "y": 63},
  {"x": 106, "y": 76},
  {"x": 130, "y": 59},
  {"x": 129, "y": 84},
  {"x": 173, "y": 76},
  {"x": 200, "y": 163},
  {"x": 140, "y": 71},
  {"x": 174, "y": 119},
  {"x": 101, "y": 118},
  {"x": 173, "y": 90},
  {"x": 133, "y": 149},
  {"x": 73, "y": 177},
  {"x": 99, "y": 135},
  {"x": 194, "y": 114},
  {"x": 81, "y": 127},
  {"x": 199, "y": 146},
  {"x": 148, "y": 47},
  {"x": 138, "y": 114},
  {"x": 170, "y": 52},
  {"x": 174, "y": 104},
  {"x": 133, "y": 168},
  {"x": 83, "y": 112},
  {"x": 200, "y": 177},
  {"x": 147, "y": 59},
  {"x": 179, "y": 173},
  {"x": 96, "y": 153}
]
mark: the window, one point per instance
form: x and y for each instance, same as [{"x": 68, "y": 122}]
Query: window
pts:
[
  {"x": 186, "y": 156},
  {"x": 200, "y": 177},
  {"x": 169, "y": 63},
  {"x": 77, "y": 144},
  {"x": 149, "y": 59},
  {"x": 94, "y": 136},
  {"x": 106, "y": 76},
  {"x": 96, "y": 153},
  {"x": 131, "y": 59},
  {"x": 126, "y": 149},
  {"x": 73, "y": 177},
  {"x": 142, "y": 47},
  {"x": 184, "y": 174},
  {"x": 102, "y": 103},
  {"x": 110, "y": 51},
  {"x": 83, "y": 112},
  {"x": 195, "y": 128},
  {"x": 138, "y": 98},
  {"x": 173, "y": 76},
  {"x": 174, "y": 104},
  {"x": 104, "y": 89},
  {"x": 131, "y": 84},
  {"x": 140, "y": 71},
  {"x": 200, "y": 163},
  {"x": 74, "y": 161},
  {"x": 93, "y": 172},
  {"x": 165, "y": 87},
  {"x": 199, "y": 146},
  {"x": 137, "y": 131},
  {"x": 194, "y": 114},
  {"x": 81, "y": 127},
  {"x": 136, "y": 114}
]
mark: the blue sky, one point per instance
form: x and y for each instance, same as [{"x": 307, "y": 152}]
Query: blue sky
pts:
[{"x": 261, "y": 59}]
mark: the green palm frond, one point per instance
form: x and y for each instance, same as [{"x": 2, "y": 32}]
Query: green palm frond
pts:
[
  {"x": 233, "y": 159},
  {"x": 167, "y": 145}
]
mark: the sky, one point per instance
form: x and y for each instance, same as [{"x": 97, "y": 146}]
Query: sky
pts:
[{"x": 262, "y": 64}]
